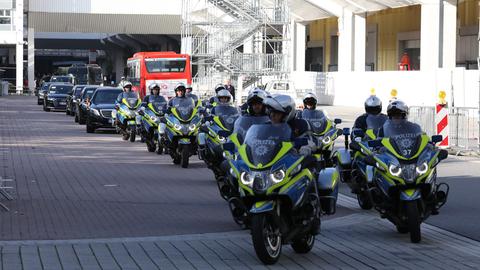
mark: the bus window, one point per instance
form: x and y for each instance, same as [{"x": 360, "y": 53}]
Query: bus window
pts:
[
  {"x": 133, "y": 72},
  {"x": 158, "y": 65}
]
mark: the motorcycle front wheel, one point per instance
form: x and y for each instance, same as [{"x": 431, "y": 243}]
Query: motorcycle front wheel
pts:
[
  {"x": 133, "y": 134},
  {"x": 185, "y": 156},
  {"x": 413, "y": 221},
  {"x": 266, "y": 238},
  {"x": 304, "y": 244},
  {"x": 364, "y": 200}
]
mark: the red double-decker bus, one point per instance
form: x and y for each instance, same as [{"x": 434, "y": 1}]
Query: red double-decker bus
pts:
[{"x": 165, "y": 68}]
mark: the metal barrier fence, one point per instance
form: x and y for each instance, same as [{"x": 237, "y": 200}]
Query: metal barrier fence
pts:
[{"x": 464, "y": 125}]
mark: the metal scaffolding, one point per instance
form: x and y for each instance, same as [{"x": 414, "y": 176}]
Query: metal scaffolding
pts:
[{"x": 233, "y": 38}]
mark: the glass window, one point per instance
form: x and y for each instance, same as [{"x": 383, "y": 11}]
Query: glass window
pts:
[{"x": 158, "y": 65}]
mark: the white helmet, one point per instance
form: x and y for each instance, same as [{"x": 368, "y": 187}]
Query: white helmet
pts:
[
  {"x": 224, "y": 94},
  {"x": 310, "y": 97},
  {"x": 281, "y": 103}
]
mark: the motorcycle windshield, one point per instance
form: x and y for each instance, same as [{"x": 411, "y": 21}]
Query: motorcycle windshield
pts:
[
  {"x": 375, "y": 122},
  {"x": 159, "y": 103},
  {"x": 131, "y": 98},
  {"x": 227, "y": 115},
  {"x": 405, "y": 136},
  {"x": 265, "y": 140},
  {"x": 317, "y": 119},
  {"x": 244, "y": 122},
  {"x": 184, "y": 107}
]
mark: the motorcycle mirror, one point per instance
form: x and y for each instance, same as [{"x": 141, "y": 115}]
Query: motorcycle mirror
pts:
[
  {"x": 299, "y": 142},
  {"x": 437, "y": 138},
  {"x": 339, "y": 132},
  {"x": 337, "y": 121},
  {"x": 229, "y": 146},
  {"x": 355, "y": 146},
  {"x": 375, "y": 143},
  {"x": 358, "y": 133},
  {"x": 346, "y": 131},
  {"x": 443, "y": 154},
  {"x": 369, "y": 160}
]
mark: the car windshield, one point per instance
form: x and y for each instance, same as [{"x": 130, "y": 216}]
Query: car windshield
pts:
[
  {"x": 184, "y": 107},
  {"x": 265, "y": 140},
  {"x": 227, "y": 114},
  {"x": 88, "y": 91},
  {"x": 159, "y": 65},
  {"x": 78, "y": 91},
  {"x": 45, "y": 86},
  {"x": 317, "y": 120},
  {"x": 60, "y": 79},
  {"x": 60, "y": 89},
  {"x": 404, "y": 136},
  {"x": 106, "y": 96},
  {"x": 244, "y": 122}
]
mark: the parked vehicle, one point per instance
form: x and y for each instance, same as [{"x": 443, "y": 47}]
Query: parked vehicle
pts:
[
  {"x": 63, "y": 79},
  {"x": 180, "y": 134},
  {"x": 281, "y": 197},
  {"x": 102, "y": 105},
  {"x": 167, "y": 69},
  {"x": 83, "y": 103},
  {"x": 72, "y": 99},
  {"x": 41, "y": 93},
  {"x": 87, "y": 73},
  {"x": 56, "y": 96},
  {"x": 405, "y": 189}
]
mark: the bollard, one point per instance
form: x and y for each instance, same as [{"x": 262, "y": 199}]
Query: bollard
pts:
[{"x": 441, "y": 119}]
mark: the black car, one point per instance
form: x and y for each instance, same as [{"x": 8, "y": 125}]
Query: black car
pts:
[
  {"x": 56, "y": 96},
  {"x": 102, "y": 104},
  {"x": 72, "y": 99},
  {"x": 41, "y": 92},
  {"x": 82, "y": 103}
]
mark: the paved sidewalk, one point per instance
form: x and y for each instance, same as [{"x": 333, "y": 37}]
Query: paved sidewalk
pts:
[{"x": 358, "y": 241}]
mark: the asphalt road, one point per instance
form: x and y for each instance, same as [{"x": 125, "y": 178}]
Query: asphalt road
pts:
[{"x": 69, "y": 184}]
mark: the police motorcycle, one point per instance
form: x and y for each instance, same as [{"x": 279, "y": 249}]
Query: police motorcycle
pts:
[
  {"x": 213, "y": 134},
  {"x": 281, "y": 194},
  {"x": 404, "y": 175},
  {"x": 351, "y": 163},
  {"x": 126, "y": 115},
  {"x": 325, "y": 131},
  {"x": 151, "y": 117},
  {"x": 179, "y": 132}
]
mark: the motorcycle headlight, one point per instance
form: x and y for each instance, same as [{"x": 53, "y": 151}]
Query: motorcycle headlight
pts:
[
  {"x": 192, "y": 127},
  {"x": 96, "y": 112},
  {"x": 232, "y": 173},
  {"x": 277, "y": 176},
  {"x": 394, "y": 170},
  {"x": 246, "y": 178},
  {"x": 326, "y": 140},
  {"x": 222, "y": 139},
  {"x": 154, "y": 118},
  {"x": 423, "y": 168},
  {"x": 177, "y": 127}
]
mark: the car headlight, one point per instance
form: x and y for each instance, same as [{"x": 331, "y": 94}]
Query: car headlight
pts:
[
  {"x": 177, "y": 127},
  {"x": 326, "y": 140},
  {"x": 96, "y": 112},
  {"x": 277, "y": 176},
  {"x": 423, "y": 168},
  {"x": 394, "y": 170},
  {"x": 222, "y": 139},
  {"x": 192, "y": 127},
  {"x": 246, "y": 178},
  {"x": 51, "y": 99}
]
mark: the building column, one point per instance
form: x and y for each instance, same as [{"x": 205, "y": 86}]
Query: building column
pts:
[
  {"x": 118, "y": 65},
  {"x": 300, "y": 40},
  {"x": 18, "y": 21},
  {"x": 430, "y": 35},
  {"x": 345, "y": 41},
  {"x": 449, "y": 42},
  {"x": 360, "y": 39},
  {"x": 31, "y": 60}
]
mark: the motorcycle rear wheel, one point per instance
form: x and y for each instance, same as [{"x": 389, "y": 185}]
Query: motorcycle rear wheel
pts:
[
  {"x": 413, "y": 221},
  {"x": 303, "y": 244},
  {"x": 266, "y": 239}
]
